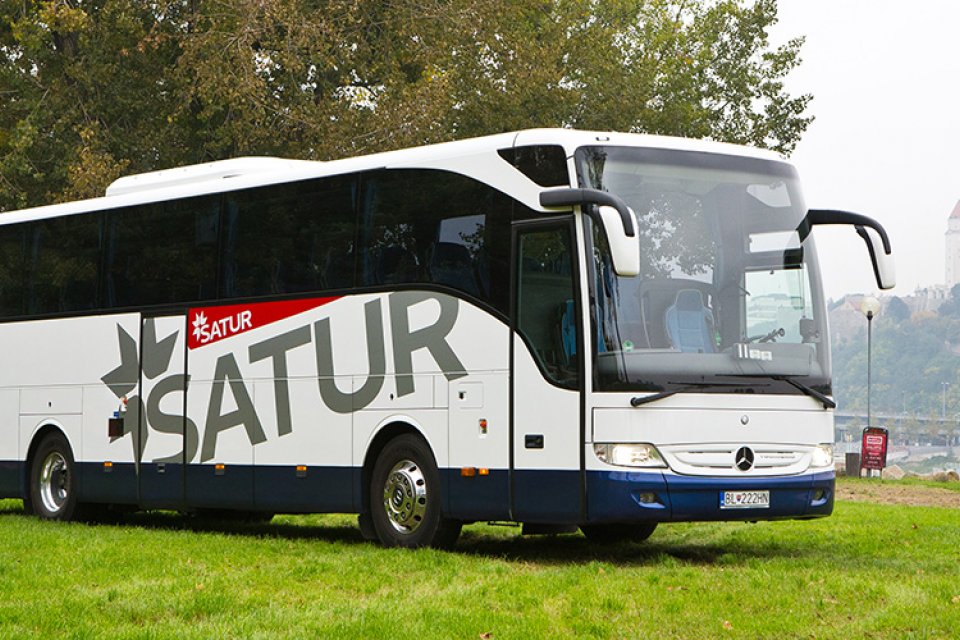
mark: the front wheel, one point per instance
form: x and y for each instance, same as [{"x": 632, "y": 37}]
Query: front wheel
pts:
[
  {"x": 53, "y": 480},
  {"x": 614, "y": 533},
  {"x": 405, "y": 497}
]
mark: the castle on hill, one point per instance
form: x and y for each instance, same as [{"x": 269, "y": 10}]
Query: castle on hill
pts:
[{"x": 953, "y": 248}]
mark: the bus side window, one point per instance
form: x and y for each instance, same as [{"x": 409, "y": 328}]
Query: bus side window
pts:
[
  {"x": 289, "y": 238},
  {"x": 11, "y": 270},
  {"x": 162, "y": 253},
  {"x": 435, "y": 227},
  {"x": 62, "y": 261},
  {"x": 545, "y": 307}
]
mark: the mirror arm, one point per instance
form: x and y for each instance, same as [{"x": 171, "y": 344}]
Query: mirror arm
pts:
[
  {"x": 573, "y": 197},
  {"x": 830, "y": 216}
]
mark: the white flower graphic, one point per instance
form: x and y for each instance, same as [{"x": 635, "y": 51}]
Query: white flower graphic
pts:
[{"x": 199, "y": 322}]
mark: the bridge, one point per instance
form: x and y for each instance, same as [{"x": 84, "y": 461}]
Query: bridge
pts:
[{"x": 944, "y": 431}]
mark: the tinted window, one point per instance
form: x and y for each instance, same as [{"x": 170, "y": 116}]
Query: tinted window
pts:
[
  {"x": 545, "y": 164},
  {"x": 422, "y": 226},
  {"x": 11, "y": 270},
  {"x": 62, "y": 262},
  {"x": 546, "y": 302},
  {"x": 162, "y": 253},
  {"x": 289, "y": 238}
]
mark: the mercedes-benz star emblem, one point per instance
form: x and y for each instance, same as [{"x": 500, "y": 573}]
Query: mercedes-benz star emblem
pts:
[{"x": 744, "y": 459}]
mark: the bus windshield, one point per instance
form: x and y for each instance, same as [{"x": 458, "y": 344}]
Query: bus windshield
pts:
[{"x": 726, "y": 291}]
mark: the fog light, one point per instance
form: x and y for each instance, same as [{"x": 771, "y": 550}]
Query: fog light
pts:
[{"x": 648, "y": 498}]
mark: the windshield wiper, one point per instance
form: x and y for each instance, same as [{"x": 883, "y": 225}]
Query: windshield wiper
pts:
[
  {"x": 810, "y": 391},
  {"x": 806, "y": 390},
  {"x": 691, "y": 387}
]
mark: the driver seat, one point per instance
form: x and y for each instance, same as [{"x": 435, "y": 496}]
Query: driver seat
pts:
[{"x": 689, "y": 323}]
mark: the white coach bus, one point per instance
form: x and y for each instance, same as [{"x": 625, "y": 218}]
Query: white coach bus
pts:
[{"x": 556, "y": 328}]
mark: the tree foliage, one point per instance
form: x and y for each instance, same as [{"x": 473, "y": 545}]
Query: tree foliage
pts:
[{"x": 93, "y": 89}]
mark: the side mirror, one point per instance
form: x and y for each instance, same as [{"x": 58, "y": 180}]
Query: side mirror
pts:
[
  {"x": 624, "y": 249},
  {"x": 884, "y": 269},
  {"x": 618, "y": 220},
  {"x": 872, "y": 232}
]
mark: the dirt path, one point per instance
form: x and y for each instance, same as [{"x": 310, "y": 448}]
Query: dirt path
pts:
[{"x": 892, "y": 492}]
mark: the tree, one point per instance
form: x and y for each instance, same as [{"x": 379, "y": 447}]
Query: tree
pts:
[
  {"x": 897, "y": 310},
  {"x": 94, "y": 89}
]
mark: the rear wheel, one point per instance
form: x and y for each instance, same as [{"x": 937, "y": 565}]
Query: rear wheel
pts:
[
  {"x": 405, "y": 497},
  {"x": 53, "y": 480},
  {"x": 614, "y": 533}
]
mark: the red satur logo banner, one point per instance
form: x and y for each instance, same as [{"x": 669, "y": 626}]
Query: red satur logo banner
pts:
[{"x": 212, "y": 324}]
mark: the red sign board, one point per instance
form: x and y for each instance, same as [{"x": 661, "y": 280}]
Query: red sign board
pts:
[{"x": 873, "y": 448}]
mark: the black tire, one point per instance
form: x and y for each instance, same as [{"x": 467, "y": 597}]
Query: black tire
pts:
[
  {"x": 620, "y": 532},
  {"x": 53, "y": 480},
  {"x": 365, "y": 522},
  {"x": 405, "y": 497}
]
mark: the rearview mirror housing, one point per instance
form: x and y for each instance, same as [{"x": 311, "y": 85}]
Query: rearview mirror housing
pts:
[
  {"x": 872, "y": 232},
  {"x": 624, "y": 250},
  {"x": 884, "y": 269},
  {"x": 618, "y": 220}
]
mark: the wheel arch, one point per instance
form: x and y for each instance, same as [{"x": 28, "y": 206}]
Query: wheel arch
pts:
[
  {"x": 388, "y": 431},
  {"x": 45, "y": 429}
]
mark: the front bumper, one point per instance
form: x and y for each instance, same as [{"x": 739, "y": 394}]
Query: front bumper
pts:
[{"x": 632, "y": 496}]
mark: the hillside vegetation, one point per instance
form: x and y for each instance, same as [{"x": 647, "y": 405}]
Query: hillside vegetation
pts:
[{"x": 913, "y": 355}]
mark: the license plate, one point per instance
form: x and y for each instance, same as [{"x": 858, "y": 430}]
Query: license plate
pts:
[{"x": 744, "y": 499}]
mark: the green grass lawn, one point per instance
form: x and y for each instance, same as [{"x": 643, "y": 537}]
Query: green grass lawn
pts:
[{"x": 868, "y": 571}]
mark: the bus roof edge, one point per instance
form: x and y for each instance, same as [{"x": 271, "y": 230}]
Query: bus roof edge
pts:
[{"x": 206, "y": 172}]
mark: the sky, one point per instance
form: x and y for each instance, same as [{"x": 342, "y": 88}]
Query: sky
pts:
[{"x": 885, "y": 80}]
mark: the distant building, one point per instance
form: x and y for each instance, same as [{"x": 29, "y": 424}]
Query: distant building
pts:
[{"x": 953, "y": 248}]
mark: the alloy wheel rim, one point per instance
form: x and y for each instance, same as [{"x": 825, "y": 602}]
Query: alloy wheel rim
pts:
[
  {"x": 54, "y": 482},
  {"x": 405, "y": 496}
]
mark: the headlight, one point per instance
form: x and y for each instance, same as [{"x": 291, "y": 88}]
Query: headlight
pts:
[
  {"x": 629, "y": 455},
  {"x": 822, "y": 456}
]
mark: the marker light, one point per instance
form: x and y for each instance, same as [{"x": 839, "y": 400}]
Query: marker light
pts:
[
  {"x": 822, "y": 456},
  {"x": 629, "y": 455}
]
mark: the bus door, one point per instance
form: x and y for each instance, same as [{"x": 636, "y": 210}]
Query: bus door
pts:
[
  {"x": 546, "y": 373},
  {"x": 162, "y": 425}
]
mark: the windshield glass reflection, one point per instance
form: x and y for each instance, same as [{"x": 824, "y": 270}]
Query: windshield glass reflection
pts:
[{"x": 726, "y": 288}]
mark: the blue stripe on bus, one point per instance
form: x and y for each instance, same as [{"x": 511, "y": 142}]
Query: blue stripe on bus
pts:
[
  {"x": 275, "y": 488},
  {"x": 116, "y": 486},
  {"x": 478, "y": 497},
  {"x": 540, "y": 495},
  {"x": 320, "y": 489},
  {"x": 11, "y": 479},
  {"x": 622, "y": 496}
]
